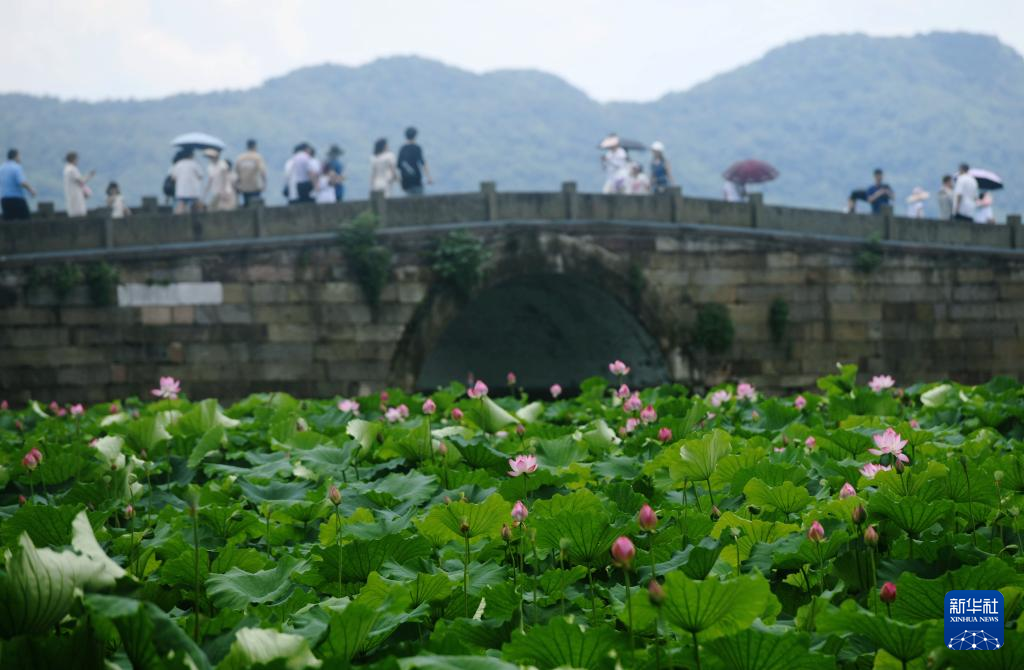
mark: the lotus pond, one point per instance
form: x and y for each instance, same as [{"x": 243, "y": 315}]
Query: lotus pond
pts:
[{"x": 632, "y": 528}]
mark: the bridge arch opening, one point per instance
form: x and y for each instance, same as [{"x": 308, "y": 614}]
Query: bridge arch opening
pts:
[{"x": 547, "y": 328}]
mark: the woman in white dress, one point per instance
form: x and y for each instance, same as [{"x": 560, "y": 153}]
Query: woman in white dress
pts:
[
  {"x": 76, "y": 188},
  {"x": 383, "y": 168},
  {"x": 220, "y": 187}
]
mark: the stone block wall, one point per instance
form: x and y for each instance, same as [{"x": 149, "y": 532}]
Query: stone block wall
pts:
[{"x": 289, "y": 316}]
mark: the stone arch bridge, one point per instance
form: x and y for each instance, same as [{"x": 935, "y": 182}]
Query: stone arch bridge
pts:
[{"x": 262, "y": 299}]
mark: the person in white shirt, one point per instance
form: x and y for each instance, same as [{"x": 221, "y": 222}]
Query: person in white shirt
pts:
[
  {"x": 220, "y": 187},
  {"x": 733, "y": 192},
  {"x": 115, "y": 202},
  {"x": 639, "y": 182},
  {"x": 983, "y": 209},
  {"x": 965, "y": 194},
  {"x": 188, "y": 182},
  {"x": 301, "y": 173},
  {"x": 615, "y": 162},
  {"x": 383, "y": 168},
  {"x": 915, "y": 202},
  {"x": 76, "y": 188}
]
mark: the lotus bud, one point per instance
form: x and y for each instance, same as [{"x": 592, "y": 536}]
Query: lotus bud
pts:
[
  {"x": 735, "y": 532},
  {"x": 510, "y": 379},
  {"x": 520, "y": 429},
  {"x": 647, "y": 518},
  {"x": 998, "y": 476},
  {"x": 129, "y": 512},
  {"x": 464, "y": 526},
  {"x": 447, "y": 500},
  {"x": 664, "y": 435},
  {"x": 334, "y": 495},
  {"x": 655, "y": 593},
  {"x": 859, "y": 514},
  {"x": 623, "y": 551},
  {"x": 301, "y": 426},
  {"x": 506, "y": 532},
  {"x": 22, "y": 500},
  {"x": 519, "y": 511},
  {"x": 963, "y": 462},
  {"x": 899, "y": 467},
  {"x": 456, "y": 414},
  {"x": 384, "y": 398},
  {"x": 716, "y": 513},
  {"x": 114, "y": 408},
  {"x": 18, "y": 425},
  {"x": 816, "y": 533},
  {"x": 442, "y": 449},
  {"x": 871, "y": 537},
  {"x": 429, "y": 406},
  {"x": 887, "y": 594},
  {"x": 847, "y": 491}
]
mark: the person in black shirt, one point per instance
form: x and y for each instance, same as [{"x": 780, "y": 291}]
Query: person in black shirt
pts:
[{"x": 412, "y": 165}]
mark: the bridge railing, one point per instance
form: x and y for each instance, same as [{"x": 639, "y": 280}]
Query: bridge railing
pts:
[{"x": 153, "y": 226}]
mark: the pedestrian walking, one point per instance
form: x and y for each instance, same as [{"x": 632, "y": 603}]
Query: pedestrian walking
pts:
[
  {"x": 14, "y": 188},
  {"x": 250, "y": 174},
  {"x": 76, "y": 186},
  {"x": 412, "y": 164},
  {"x": 383, "y": 168}
]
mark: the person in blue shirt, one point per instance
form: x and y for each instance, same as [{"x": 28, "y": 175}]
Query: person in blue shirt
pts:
[
  {"x": 13, "y": 188},
  {"x": 879, "y": 194},
  {"x": 336, "y": 171}
]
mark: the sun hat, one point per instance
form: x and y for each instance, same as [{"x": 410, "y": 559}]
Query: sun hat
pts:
[
  {"x": 657, "y": 146},
  {"x": 918, "y": 194},
  {"x": 211, "y": 152}
]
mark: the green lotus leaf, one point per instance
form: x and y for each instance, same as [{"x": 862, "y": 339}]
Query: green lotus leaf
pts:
[
  {"x": 257, "y": 647},
  {"x": 904, "y": 641},
  {"x": 699, "y": 457},
  {"x": 561, "y": 644},
  {"x": 912, "y": 514},
  {"x": 454, "y": 663},
  {"x": 444, "y": 522},
  {"x": 787, "y": 497},
  {"x": 761, "y": 648},
  {"x": 237, "y": 588}
]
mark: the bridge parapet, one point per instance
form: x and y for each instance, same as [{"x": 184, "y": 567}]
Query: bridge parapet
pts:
[{"x": 153, "y": 226}]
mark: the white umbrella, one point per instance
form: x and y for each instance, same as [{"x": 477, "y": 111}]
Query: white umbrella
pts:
[
  {"x": 198, "y": 141},
  {"x": 987, "y": 180}
]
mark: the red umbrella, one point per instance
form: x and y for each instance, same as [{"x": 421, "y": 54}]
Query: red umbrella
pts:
[{"x": 750, "y": 171}]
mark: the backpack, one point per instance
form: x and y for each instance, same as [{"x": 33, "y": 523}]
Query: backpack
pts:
[{"x": 169, "y": 186}]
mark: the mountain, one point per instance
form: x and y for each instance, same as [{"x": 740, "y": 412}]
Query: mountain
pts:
[{"x": 824, "y": 110}]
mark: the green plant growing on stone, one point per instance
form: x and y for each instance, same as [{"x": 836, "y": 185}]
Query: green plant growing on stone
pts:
[
  {"x": 61, "y": 279},
  {"x": 102, "y": 279},
  {"x": 369, "y": 260},
  {"x": 870, "y": 257},
  {"x": 458, "y": 261},
  {"x": 713, "y": 332},
  {"x": 778, "y": 320},
  {"x": 637, "y": 284}
]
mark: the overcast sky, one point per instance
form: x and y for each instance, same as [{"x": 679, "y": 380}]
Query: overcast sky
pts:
[{"x": 612, "y": 49}]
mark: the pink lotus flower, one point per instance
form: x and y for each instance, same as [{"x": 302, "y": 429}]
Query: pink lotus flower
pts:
[
  {"x": 623, "y": 392},
  {"x": 631, "y": 424},
  {"x": 718, "y": 397},
  {"x": 633, "y": 404},
  {"x": 523, "y": 464},
  {"x": 664, "y": 434},
  {"x": 745, "y": 391},
  {"x": 889, "y": 442},
  {"x": 647, "y": 518},
  {"x": 847, "y": 491},
  {"x": 871, "y": 536},
  {"x": 869, "y": 470},
  {"x": 395, "y": 414},
  {"x": 880, "y": 383},
  {"x": 800, "y": 402},
  {"x": 914, "y": 424},
  {"x": 347, "y": 405},
  {"x": 519, "y": 511},
  {"x": 456, "y": 414},
  {"x": 501, "y": 434},
  {"x": 61, "y": 411},
  {"x": 618, "y": 368},
  {"x": 479, "y": 390},
  {"x": 4, "y": 406},
  {"x": 29, "y": 462},
  {"x": 169, "y": 388},
  {"x": 429, "y": 406},
  {"x": 334, "y": 495},
  {"x": 54, "y": 407},
  {"x": 384, "y": 397},
  {"x": 114, "y": 408},
  {"x": 77, "y": 409},
  {"x": 510, "y": 379},
  {"x": 887, "y": 594},
  {"x": 648, "y": 414},
  {"x": 623, "y": 551},
  {"x": 780, "y": 450},
  {"x": 556, "y": 390},
  {"x": 816, "y": 533},
  {"x": 810, "y": 442}
]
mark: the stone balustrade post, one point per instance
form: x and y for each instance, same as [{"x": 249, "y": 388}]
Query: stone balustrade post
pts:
[
  {"x": 756, "y": 201},
  {"x": 1013, "y": 221},
  {"x": 571, "y": 199},
  {"x": 886, "y": 222},
  {"x": 45, "y": 208},
  {"x": 489, "y": 191},
  {"x": 676, "y": 207},
  {"x": 379, "y": 206}
]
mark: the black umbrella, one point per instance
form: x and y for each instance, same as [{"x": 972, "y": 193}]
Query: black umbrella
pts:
[
  {"x": 628, "y": 145},
  {"x": 987, "y": 180}
]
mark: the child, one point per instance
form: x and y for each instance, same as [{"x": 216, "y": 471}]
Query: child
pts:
[{"x": 115, "y": 201}]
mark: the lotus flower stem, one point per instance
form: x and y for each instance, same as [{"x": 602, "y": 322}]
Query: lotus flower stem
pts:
[
  {"x": 711, "y": 493},
  {"x": 195, "y": 569},
  {"x": 536, "y": 565},
  {"x": 696, "y": 649},
  {"x": 465, "y": 574},
  {"x": 341, "y": 548},
  {"x": 970, "y": 504},
  {"x": 695, "y": 496},
  {"x": 593, "y": 595},
  {"x": 629, "y": 613}
]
